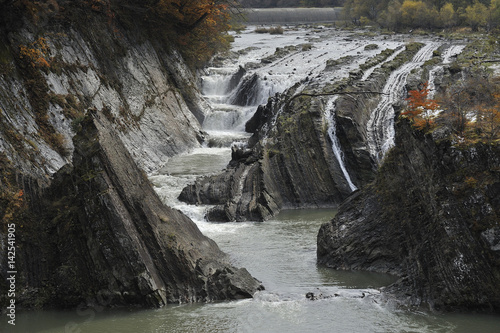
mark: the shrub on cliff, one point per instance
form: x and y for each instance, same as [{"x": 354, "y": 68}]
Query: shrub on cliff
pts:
[
  {"x": 470, "y": 108},
  {"x": 197, "y": 28},
  {"x": 421, "y": 110}
]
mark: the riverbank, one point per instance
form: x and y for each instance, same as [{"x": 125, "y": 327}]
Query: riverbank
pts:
[{"x": 261, "y": 16}]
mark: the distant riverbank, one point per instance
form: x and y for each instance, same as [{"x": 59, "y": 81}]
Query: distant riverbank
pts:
[{"x": 291, "y": 15}]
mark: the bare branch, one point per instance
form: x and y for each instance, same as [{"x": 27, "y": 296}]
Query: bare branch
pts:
[{"x": 336, "y": 93}]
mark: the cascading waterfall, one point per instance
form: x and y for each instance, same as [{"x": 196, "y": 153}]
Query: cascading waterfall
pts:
[
  {"x": 450, "y": 52},
  {"x": 215, "y": 84},
  {"x": 370, "y": 70},
  {"x": 255, "y": 89},
  {"x": 381, "y": 124},
  {"x": 332, "y": 133},
  {"x": 225, "y": 123}
]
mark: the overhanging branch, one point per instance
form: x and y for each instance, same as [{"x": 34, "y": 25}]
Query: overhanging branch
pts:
[{"x": 336, "y": 93}]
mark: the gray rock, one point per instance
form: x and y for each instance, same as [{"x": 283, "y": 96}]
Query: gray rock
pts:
[
  {"x": 421, "y": 221},
  {"x": 113, "y": 236}
]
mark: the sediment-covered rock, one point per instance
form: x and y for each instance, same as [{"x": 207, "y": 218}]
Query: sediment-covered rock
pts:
[{"x": 431, "y": 218}]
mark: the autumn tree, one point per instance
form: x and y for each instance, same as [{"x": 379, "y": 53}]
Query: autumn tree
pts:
[
  {"x": 198, "y": 26},
  {"x": 487, "y": 122},
  {"x": 476, "y": 15},
  {"x": 354, "y": 10},
  {"x": 414, "y": 13},
  {"x": 187, "y": 15},
  {"x": 391, "y": 17},
  {"x": 494, "y": 14},
  {"x": 468, "y": 103},
  {"x": 457, "y": 101},
  {"x": 420, "y": 109},
  {"x": 447, "y": 16}
]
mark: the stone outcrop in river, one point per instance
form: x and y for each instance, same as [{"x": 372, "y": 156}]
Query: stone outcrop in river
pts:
[
  {"x": 424, "y": 222},
  {"x": 89, "y": 228}
]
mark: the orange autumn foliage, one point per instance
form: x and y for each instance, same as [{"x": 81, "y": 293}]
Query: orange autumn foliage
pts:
[
  {"x": 199, "y": 27},
  {"x": 189, "y": 14},
  {"x": 421, "y": 110},
  {"x": 36, "y": 53}
]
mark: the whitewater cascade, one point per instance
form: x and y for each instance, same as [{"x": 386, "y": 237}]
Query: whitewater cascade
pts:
[
  {"x": 330, "y": 111},
  {"x": 381, "y": 124},
  {"x": 448, "y": 54},
  {"x": 370, "y": 70},
  {"x": 225, "y": 119}
]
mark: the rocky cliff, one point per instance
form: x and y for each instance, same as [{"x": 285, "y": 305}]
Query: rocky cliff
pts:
[
  {"x": 101, "y": 233},
  {"x": 89, "y": 227},
  {"x": 431, "y": 218},
  {"x": 53, "y": 71}
]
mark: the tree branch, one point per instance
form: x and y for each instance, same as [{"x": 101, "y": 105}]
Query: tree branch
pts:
[{"x": 336, "y": 93}]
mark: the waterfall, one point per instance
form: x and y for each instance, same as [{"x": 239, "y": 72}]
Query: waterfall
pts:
[
  {"x": 450, "y": 52},
  {"x": 215, "y": 84},
  {"x": 381, "y": 123},
  {"x": 255, "y": 89},
  {"x": 330, "y": 111},
  {"x": 369, "y": 71},
  {"x": 224, "y": 121},
  {"x": 227, "y": 118}
]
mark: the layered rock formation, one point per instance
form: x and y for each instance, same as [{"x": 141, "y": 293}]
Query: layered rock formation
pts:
[
  {"x": 103, "y": 234},
  {"x": 277, "y": 170},
  {"x": 289, "y": 161},
  {"x": 142, "y": 86},
  {"x": 430, "y": 217},
  {"x": 89, "y": 227}
]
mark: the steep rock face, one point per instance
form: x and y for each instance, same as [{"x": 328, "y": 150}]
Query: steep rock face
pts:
[
  {"x": 104, "y": 236},
  {"x": 143, "y": 88},
  {"x": 430, "y": 217},
  {"x": 281, "y": 171}
]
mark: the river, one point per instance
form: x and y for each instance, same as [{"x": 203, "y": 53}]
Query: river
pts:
[{"x": 280, "y": 252}]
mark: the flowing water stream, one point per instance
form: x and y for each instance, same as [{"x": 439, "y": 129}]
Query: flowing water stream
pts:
[
  {"x": 280, "y": 252},
  {"x": 381, "y": 124},
  {"x": 332, "y": 133}
]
